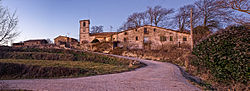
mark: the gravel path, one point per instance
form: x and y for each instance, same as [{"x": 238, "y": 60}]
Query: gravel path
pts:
[{"x": 157, "y": 76}]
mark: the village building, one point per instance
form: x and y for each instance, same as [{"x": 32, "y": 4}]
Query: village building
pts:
[
  {"x": 64, "y": 41},
  {"x": 18, "y": 44},
  {"x": 144, "y": 37},
  {"x": 31, "y": 43},
  {"x": 35, "y": 42}
]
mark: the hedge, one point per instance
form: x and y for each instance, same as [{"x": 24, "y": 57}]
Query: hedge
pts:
[
  {"x": 36, "y": 55},
  {"x": 58, "y": 54},
  {"x": 14, "y": 71},
  {"x": 225, "y": 55}
]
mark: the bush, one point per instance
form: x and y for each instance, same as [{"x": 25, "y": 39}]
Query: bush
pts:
[
  {"x": 36, "y": 55},
  {"x": 103, "y": 59},
  {"x": 224, "y": 55},
  {"x": 14, "y": 71},
  {"x": 58, "y": 54},
  {"x": 200, "y": 33}
]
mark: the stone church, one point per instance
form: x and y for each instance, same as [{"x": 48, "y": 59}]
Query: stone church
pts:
[{"x": 144, "y": 37}]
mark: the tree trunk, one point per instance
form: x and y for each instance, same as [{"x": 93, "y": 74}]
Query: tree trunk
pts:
[{"x": 205, "y": 21}]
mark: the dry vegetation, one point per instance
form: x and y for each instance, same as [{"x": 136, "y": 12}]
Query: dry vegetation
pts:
[
  {"x": 169, "y": 53},
  {"x": 20, "y": 68},
  {"x": 223, "y": 59},
  {"x": 16, "y": 63}
]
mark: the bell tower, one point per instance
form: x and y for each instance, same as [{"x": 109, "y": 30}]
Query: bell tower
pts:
[{"x": 84, "y": 31}]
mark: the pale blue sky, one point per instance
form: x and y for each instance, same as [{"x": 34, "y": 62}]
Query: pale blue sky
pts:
[{"x": 42, "y": 19}]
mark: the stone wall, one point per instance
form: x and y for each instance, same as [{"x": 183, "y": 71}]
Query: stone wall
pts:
[
  {"x": 84, "y": 32},
  {"x": 145, "y": 37},
  {"x": 137, "y": 39},
  {"x": 64, "y": 41}
]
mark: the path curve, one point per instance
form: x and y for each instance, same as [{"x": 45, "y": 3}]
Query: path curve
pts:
[{"x": 157, "y": 76}]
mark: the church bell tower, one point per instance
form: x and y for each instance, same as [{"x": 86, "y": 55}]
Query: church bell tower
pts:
[{"x": 84, "y": 31}]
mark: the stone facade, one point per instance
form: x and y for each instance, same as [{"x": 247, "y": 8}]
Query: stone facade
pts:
[
  {"x": 31, "y": 43},
  {"x": 144, "y": 37},
  {"x": 35, "y": 42},
  {"x": 103, "y": 37},
  {"x": 84, "y": 32},
  {"x": 151, "y": 37},
  {"x": 64, "y": 41},
  {"x": 86, "y": 37}
]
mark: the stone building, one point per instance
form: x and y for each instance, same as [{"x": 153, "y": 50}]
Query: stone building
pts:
[
  {"x": 86, "y": 37},
  {"x": 37, "y": 42},
  {"x": 64, "y": 41},
  {"x": 144, "y": 37},
  {"x": 103, "y": 37},
  {"x": 18, "y": 44}
]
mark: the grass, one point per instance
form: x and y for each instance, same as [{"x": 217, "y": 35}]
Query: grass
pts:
[{"x": 92, "y": 68}]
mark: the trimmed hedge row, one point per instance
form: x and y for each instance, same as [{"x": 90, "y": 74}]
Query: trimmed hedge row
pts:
[
  {"x": 23, "y": 49},
  {"x": 225, "y": 55},
  {"x": 36, "y": 55},
  {"x": 58, "y": 54},
  {"x": 14, "y": 71},
  {"x": 102, "y": 59}
]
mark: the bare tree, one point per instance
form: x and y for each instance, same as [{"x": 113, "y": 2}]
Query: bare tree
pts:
[
  {"x": 182, "y": 17},
  {"x": 210, "y": 13},
  {"x": 239, "y": 5},
  {"x": 158, "y": 15},
  {"x": 96, "y": 29},
  {"x": 49, "y": 41},
  {"x": 8, "y": 23},
  {"x": 135, "y": 20}
]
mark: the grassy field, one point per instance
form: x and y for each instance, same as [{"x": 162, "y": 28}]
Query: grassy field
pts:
[
  {"x": 89, "y": 68},
  {"x": 30, "y": 63}
]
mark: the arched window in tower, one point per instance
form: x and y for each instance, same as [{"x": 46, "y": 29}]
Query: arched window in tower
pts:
[{"x": 84, "y": 24}]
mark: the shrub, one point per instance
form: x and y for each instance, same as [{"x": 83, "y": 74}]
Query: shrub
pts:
[
  {"x": 36, "y": 55},
  {"x": 13, "y": 71},
  {"x": 103, "y": 59},
  {"x": 200, "y": 33},
  {"x": 224, "y": 55},
  {"x": 58, "y": 54}
]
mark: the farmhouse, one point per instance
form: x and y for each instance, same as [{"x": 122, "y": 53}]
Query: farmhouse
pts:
[
  {"x": 36, "y": 42},
  {"x": 64, "y": 41},
  {"x": 144, "y": 37}
]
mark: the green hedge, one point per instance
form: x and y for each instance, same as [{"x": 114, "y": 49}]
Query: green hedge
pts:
[{"x": 225, "y": 55}]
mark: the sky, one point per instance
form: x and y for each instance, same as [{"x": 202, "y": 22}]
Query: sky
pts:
[{"x": 43, "y": 19}]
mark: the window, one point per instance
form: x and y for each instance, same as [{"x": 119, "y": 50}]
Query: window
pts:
[
  {"x": 125, "y": 39},
  {"x": 184, "y": 38},
  {"x": 125, "y": 33},
  {"x": 145, "y": 39},
  {"x": 163, "y": 38},
  {"x": 84, "y": 24},
  {"x": 136, "y": 38},
  {"x": 171, "y": 38},
  {"x": 145, "y": 31},
  {"x": 154, "y": 29},
  {"x": 83, "y": 30},
  {"x": 135, "y": 29}
]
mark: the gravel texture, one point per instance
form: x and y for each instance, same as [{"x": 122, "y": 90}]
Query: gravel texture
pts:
[{"x": 157, "y": 76}]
